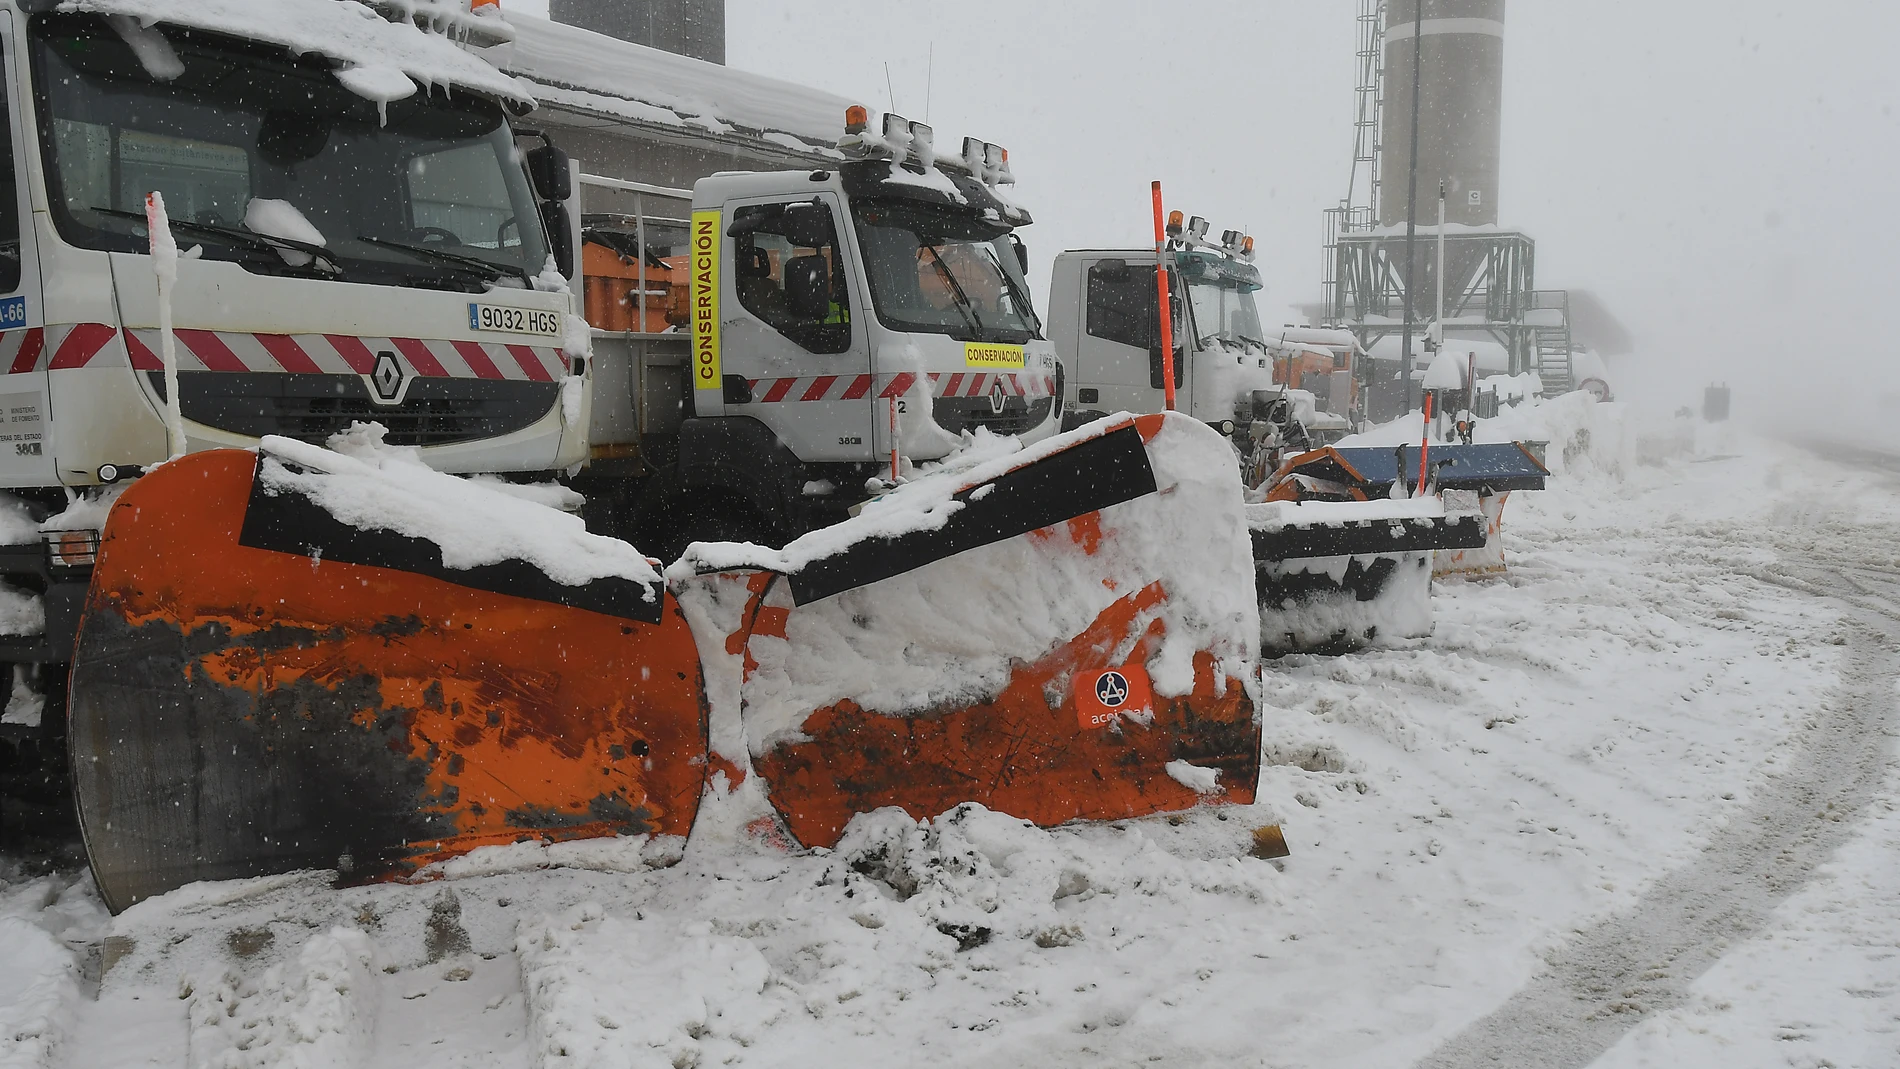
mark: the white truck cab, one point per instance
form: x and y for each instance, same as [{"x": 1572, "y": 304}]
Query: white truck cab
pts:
[
  {"x": 1229, "y": 371},
  {"x": 361, "y": 241},
  {"x": 835, "y": 324}
]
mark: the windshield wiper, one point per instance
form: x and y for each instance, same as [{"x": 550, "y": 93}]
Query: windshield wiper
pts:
[
  {"x": 249, "y": 238},
  {"x": 488, "y": 268},
  {"x": 964, "y": 306},
  {"x": 1022, "y": 299}
]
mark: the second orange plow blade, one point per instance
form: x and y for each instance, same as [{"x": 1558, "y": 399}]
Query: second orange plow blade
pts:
[{"x": 1063, "y": 634}]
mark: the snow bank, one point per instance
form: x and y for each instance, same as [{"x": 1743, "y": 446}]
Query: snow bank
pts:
[
  {"x": 389, "y": 488},
  {"x": 646, "y": 992},
  {"x": 349, "y": 32},
  {"x": 42, "y": 921},
  {"x": 1585, "y": 436},
  {"x": 316, "y": 1010},
  {"x": 952, "y": 631},
  {"x": 39, "y": 991}
]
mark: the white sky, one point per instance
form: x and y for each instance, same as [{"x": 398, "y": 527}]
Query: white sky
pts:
[{"x": 1718, "y": 174}]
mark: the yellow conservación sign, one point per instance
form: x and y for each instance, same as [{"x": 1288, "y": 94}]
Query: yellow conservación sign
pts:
[
  {"x": 706, "y": 238},
  {"x": 993, "y": 356}
]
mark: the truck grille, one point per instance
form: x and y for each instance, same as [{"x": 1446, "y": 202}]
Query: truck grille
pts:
[
  {"x": 1019, "y": 414},
  {"x": 311, "y": 408}
]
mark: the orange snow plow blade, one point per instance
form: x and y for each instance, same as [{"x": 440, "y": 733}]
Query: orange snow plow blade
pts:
[
  {"x": 1071, "y": 641},
  {"x": 261, "y": 687}
]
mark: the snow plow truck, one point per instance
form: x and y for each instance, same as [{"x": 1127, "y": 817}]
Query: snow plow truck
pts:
[
  {"x": 1328, "y": 574},
  {"x": 310, "y": 643}
]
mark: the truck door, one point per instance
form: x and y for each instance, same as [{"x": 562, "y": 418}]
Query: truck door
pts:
[
  {"x": 1119, "y": 348},
  {"x": 803, "y": 365},
  {"x": 25, "y": 454}
]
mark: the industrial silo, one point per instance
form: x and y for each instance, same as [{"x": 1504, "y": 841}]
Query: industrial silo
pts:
[{"x": 1460, "y": 104}]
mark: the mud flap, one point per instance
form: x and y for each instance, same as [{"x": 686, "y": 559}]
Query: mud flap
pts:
[
  {"x": 260, "y": 687},
  {"x": 1074, "y": 633}
]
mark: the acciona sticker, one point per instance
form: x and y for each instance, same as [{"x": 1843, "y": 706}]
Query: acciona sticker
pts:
[
  {"x": 1102, "y": 694},
  {"x": 706, "y": 237}
]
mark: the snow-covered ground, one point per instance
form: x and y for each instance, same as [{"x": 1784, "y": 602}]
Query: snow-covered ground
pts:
[{"x": 1690, "y": 657}]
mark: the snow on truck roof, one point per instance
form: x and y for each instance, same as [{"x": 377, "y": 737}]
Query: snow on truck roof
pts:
[
  {"x": 593, "y": 72},
  {"x": 347, "y": 31}
]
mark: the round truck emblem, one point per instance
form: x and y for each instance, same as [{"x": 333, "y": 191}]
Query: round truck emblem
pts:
[
  {"x": 385, "y": 379},
  {"x": 1111, "y": 689}
]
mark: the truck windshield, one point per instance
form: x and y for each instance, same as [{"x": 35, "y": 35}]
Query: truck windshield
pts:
[
  {"x": 244, "y": 139},
  {"x": 939, "y": 271},
  {"x": 1225, "y": 310}
]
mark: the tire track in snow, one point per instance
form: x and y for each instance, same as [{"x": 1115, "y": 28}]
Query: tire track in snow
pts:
[{"x": 1609, "y": 977}]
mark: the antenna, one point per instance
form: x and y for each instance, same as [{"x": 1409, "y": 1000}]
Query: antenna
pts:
[
  {"x": 890, "y": 94},
  {"x": 930, "y": 70}
]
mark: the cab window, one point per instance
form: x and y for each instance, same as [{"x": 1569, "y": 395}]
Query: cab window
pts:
[
  {"x": 1121, "y": 308},
  {"x": 788, "y": 272}
]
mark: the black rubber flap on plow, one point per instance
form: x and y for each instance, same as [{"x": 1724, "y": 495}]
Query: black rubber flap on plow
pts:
[
  {"x": 1085, "y": 478},
  {"x": 1344, "y": 538}
]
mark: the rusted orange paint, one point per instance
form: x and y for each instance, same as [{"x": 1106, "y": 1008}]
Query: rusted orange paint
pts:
[
  {"x": 1018, "y": 753},
  {"x": 735, "y": 775},
  {"x": 525, "y": 718}
]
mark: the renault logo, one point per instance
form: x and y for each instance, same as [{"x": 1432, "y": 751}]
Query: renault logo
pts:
[
  {"x": 385, "y": 379},
  {"x": 997, "y": 398}
]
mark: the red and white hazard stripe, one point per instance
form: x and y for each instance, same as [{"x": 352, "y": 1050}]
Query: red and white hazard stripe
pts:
[
  {"x": 90, "y": 345},
  {"x": 853, "y": 387}
]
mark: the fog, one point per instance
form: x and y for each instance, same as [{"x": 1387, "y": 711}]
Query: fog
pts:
[{"x": 1716, "y": 174}]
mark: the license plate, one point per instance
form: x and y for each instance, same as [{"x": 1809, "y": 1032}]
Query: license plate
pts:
[{"x": 514, "y": 320}]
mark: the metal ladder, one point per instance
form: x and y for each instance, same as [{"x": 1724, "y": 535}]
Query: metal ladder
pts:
[
  {"x": 1548, "y": 321},
  {"x": 1359, "y": 209}
]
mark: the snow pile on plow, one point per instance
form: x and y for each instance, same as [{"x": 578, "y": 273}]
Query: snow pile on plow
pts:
[{"x": 1043, "y": 634}]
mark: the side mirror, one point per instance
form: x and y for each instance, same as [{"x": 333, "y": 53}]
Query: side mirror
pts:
[
  {"x": 560, "y": 236},
  {"x": 1022, "y": 253},
  {"x": 808, "y": 226},
  {"x": 808, "y": 288},
  {"x": 548, "y": 170}
]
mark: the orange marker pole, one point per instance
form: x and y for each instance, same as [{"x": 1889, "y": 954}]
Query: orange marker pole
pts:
[
  {"x": 1424, "y": 444},
  {"x": 1167, "y": 312}
]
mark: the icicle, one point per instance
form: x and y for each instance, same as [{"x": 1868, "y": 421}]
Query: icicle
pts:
[{"x": 165, "y": 266}]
